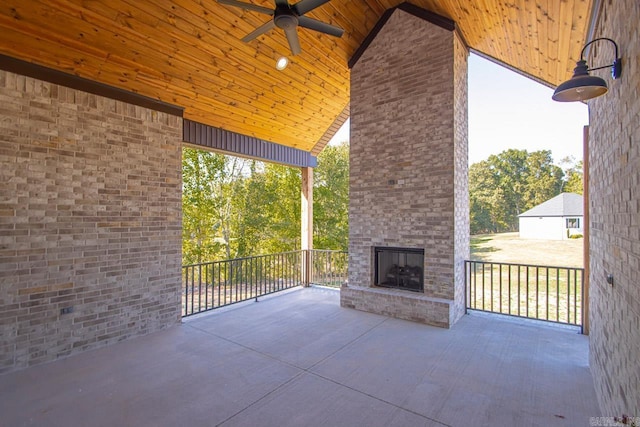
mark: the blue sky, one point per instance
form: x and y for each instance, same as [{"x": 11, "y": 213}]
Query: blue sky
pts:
[{"x": 507, "y": 110}]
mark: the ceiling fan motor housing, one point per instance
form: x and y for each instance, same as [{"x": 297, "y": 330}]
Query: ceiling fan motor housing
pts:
[{"x": 285, "y": 18}]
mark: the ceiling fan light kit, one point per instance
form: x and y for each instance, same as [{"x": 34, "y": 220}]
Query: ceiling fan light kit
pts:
[{"x": 288, "y": 17}]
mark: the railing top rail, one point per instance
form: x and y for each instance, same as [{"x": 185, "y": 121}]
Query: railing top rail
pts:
[
  {"x": 241, "y": 259},
  {"x": 260, "y": 256},
  {"x": 524, "y": 265}
]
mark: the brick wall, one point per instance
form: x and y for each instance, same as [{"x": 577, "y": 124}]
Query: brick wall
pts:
[
  {"x": 461, "y": 175},
  {"x": 90, "y": 218},
  {"x": 615, "y": 215},
  {"x": 408, "y": 157}
]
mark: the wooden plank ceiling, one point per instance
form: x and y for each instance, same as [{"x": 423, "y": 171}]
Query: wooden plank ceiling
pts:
[{"x": 189, "y": 52}]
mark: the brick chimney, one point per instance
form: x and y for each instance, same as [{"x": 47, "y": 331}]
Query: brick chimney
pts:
[{"x": 408, "y": 172}]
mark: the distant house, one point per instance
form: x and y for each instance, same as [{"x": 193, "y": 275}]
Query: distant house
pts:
[{"x": 556, "y": 219}]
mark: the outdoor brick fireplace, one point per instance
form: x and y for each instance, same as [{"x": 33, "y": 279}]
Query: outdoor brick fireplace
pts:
[
  {"x": 408, "y": 172},
  {"x": 399, "y": 268}
]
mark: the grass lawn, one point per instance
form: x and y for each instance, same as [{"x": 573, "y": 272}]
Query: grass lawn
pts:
[
  {"x": 509, "y": 247},
  {"x": 540, "y": 293}
]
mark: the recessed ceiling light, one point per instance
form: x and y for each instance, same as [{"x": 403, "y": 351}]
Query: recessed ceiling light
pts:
[{"x": 282, "y": 63}]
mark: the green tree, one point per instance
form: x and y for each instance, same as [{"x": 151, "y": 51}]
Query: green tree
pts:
[
  {"x": 573, "y": 175},
  {"x": 226, "y": 188},
  {"x": 543, "y": 179},
  {"x": 488, "y": 207},
  {"x": 212, "y": 185},
  {"x": 511, "y": 170},
  {"x": 248, "y": 216},
  {"x": 234, "y": 207},
  {"x": 507, "y": 184},
  {"x": 331, "y": 198},
  {"x": 200, "y": 224},
  {"x": 281, "y": 203}
]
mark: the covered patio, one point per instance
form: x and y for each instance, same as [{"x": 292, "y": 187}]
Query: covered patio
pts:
[
  {"x": 97, "y": 101},
  {"x": 298, "y": 359}
]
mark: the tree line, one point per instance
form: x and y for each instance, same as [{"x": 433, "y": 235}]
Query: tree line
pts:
[
  {"x": 514, "y": 181},
  {"x": 234, "y": 207}
]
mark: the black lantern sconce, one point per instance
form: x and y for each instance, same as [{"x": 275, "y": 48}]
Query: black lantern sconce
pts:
[{"x": 582, "y": 86}]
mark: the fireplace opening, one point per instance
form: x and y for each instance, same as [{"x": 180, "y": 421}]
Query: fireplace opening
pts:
[{"x": 399, "y": 268}]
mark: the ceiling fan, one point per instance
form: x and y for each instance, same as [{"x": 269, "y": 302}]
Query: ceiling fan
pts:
[{"x": 288, "y": 17}]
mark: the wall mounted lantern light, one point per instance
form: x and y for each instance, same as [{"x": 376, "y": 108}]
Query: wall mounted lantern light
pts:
[{"x": 582, "y": 86}]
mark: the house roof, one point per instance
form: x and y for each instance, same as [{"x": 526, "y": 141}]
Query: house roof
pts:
[
  {"x": 564, "y": 204},
  {"x": 189, "y": 53}
]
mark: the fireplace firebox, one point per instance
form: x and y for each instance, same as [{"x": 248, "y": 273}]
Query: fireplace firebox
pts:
[{"x": 400, "y": 268}]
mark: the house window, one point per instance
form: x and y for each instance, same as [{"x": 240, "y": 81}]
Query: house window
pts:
[{"x": 573, "y": 222}]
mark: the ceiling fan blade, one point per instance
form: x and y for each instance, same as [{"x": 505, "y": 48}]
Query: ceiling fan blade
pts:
[
  {"x": 259, "y": 31},
  {"x": 247, "y": 6},
  {"x": 305, "y": 6},
  {"x": 294, "y": 42},
  {"x": 323, "y": 27}
]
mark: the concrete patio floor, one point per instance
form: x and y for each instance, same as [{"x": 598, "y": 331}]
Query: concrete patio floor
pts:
[{"x": 299, "y": 359}]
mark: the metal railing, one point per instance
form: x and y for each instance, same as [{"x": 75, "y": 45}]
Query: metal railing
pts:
[
  {"x": 220, "y": 283},
  {"x": 535, "y": 291},
  {"x": 539, "y": 292},
  {"x": 215, "y": 284},
  {"x": 328, "y": 268}
]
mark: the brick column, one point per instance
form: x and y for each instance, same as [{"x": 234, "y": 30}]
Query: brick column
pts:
[{"x": 408, "y": 171}]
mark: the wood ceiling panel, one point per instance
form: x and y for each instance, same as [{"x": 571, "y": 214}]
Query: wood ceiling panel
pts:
[{"x": 189, "y": 52}]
